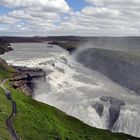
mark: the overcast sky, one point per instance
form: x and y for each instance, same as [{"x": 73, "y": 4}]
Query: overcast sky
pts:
[{"x": 70, "y": 17}]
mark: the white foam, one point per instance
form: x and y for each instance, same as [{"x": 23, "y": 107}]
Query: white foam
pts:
[{"x": 74, "y": 88}]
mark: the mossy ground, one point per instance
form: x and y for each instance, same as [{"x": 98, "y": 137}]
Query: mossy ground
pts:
[{"x": 38, "y": 121}]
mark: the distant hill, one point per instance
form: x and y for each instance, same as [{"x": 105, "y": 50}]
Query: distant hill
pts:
[{"x": 96, "y": 40}]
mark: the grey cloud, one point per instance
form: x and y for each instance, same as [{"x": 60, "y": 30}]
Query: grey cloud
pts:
[
  {"x": 43, "y": 5},
  {"x": 108, "y": 17}
]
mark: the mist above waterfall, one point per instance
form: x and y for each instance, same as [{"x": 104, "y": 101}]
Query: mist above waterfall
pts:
[
  {"x": 79, "y": 91},
  {"x": 126, "y": 44}
]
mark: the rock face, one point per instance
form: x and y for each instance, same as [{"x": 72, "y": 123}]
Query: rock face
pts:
[
  {"x": 70, "y": 46},
  {"x": 114, "y": 112},
  {"x": 120, "y": 67},
  {"x": 114, "y": 107},
  {"x": 112, "y": 100},
  {"x": 24, "y": 77},
  {"x": 99, "y": 108},
  {"x": 4, "y": 46}
]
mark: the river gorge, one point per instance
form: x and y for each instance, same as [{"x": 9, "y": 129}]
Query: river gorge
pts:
[{"x": 86, "y": 84}]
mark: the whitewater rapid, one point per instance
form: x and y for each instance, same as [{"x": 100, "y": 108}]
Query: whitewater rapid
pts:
[{"x": 74, "y": 89}]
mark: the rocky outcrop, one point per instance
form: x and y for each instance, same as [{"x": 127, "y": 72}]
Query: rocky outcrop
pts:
[
  {"x": 112, "y": 100},
  {"x": 114, "y": 106},
  {"x": 99, "y": 108},
  {"x": 24, "y": 77},
  {"x": 4, "y": 47},
  {"x": 70, "y": 46},
  {"x": 114, "y": 109}
]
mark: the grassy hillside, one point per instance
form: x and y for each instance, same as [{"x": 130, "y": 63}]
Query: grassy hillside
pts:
[
  {"x": 5, "y": 70},
  {"x": 5, "y": 110},
  {"x": 38, "y": 121}
]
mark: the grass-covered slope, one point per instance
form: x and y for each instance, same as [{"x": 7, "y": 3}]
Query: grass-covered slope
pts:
[
  {"x": 5, "y": 110},
  {"x": 5, "y": 107},
  {"x": 38, "y": 121},
  {"x": 5, "y": 70}
]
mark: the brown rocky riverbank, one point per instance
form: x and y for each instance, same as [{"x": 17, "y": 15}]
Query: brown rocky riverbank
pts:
[{"x": 24, "y": 77}]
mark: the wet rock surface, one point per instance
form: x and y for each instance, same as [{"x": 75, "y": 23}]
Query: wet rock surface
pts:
[
  {"x": 114, "y": 106},
  {"x": 99, "y": 108},
  {"x": 4, "y": 46},
  {"x": 113, "y": 100},
  {"x": 24, "y": 79},
  {"x": 114, "y": 112}
]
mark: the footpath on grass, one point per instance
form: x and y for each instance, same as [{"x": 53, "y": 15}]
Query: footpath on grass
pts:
[{"x": 12, "y": 116}]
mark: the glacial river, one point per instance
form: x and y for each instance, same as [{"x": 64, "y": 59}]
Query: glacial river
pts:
[{"x": 75, "y": 89}]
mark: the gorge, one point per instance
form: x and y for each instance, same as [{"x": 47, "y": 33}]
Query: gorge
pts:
[{"x": 75, "y": 84}]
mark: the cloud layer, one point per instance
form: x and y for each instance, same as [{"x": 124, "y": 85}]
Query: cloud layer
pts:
[
  {"x": 55, "y": 17},
  {"x": 44, "y": 5}
]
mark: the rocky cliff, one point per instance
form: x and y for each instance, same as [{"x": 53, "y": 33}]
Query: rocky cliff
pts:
[
  {"x": 4, "y": 46},
  {"x": 23, "y": 79}
]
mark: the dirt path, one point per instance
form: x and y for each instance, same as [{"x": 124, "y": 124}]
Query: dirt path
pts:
[{"x": 10, "y": 119}]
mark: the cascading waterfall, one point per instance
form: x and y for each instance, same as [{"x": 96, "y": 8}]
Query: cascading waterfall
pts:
[{"x": 80, "y": 92}]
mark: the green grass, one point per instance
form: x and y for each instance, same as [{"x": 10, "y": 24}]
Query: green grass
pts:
[
  {"x": 38, "y": 121},
  {"x": 5, "y": 110},
  {"x": 5, "y": 107},
  {"x": 6, "y": 71}
]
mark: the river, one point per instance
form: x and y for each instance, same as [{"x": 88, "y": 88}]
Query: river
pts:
[{"x": 75, "y": 89}]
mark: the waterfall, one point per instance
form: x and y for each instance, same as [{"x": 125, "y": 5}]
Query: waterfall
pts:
[{"x": 79, "y": 91}]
